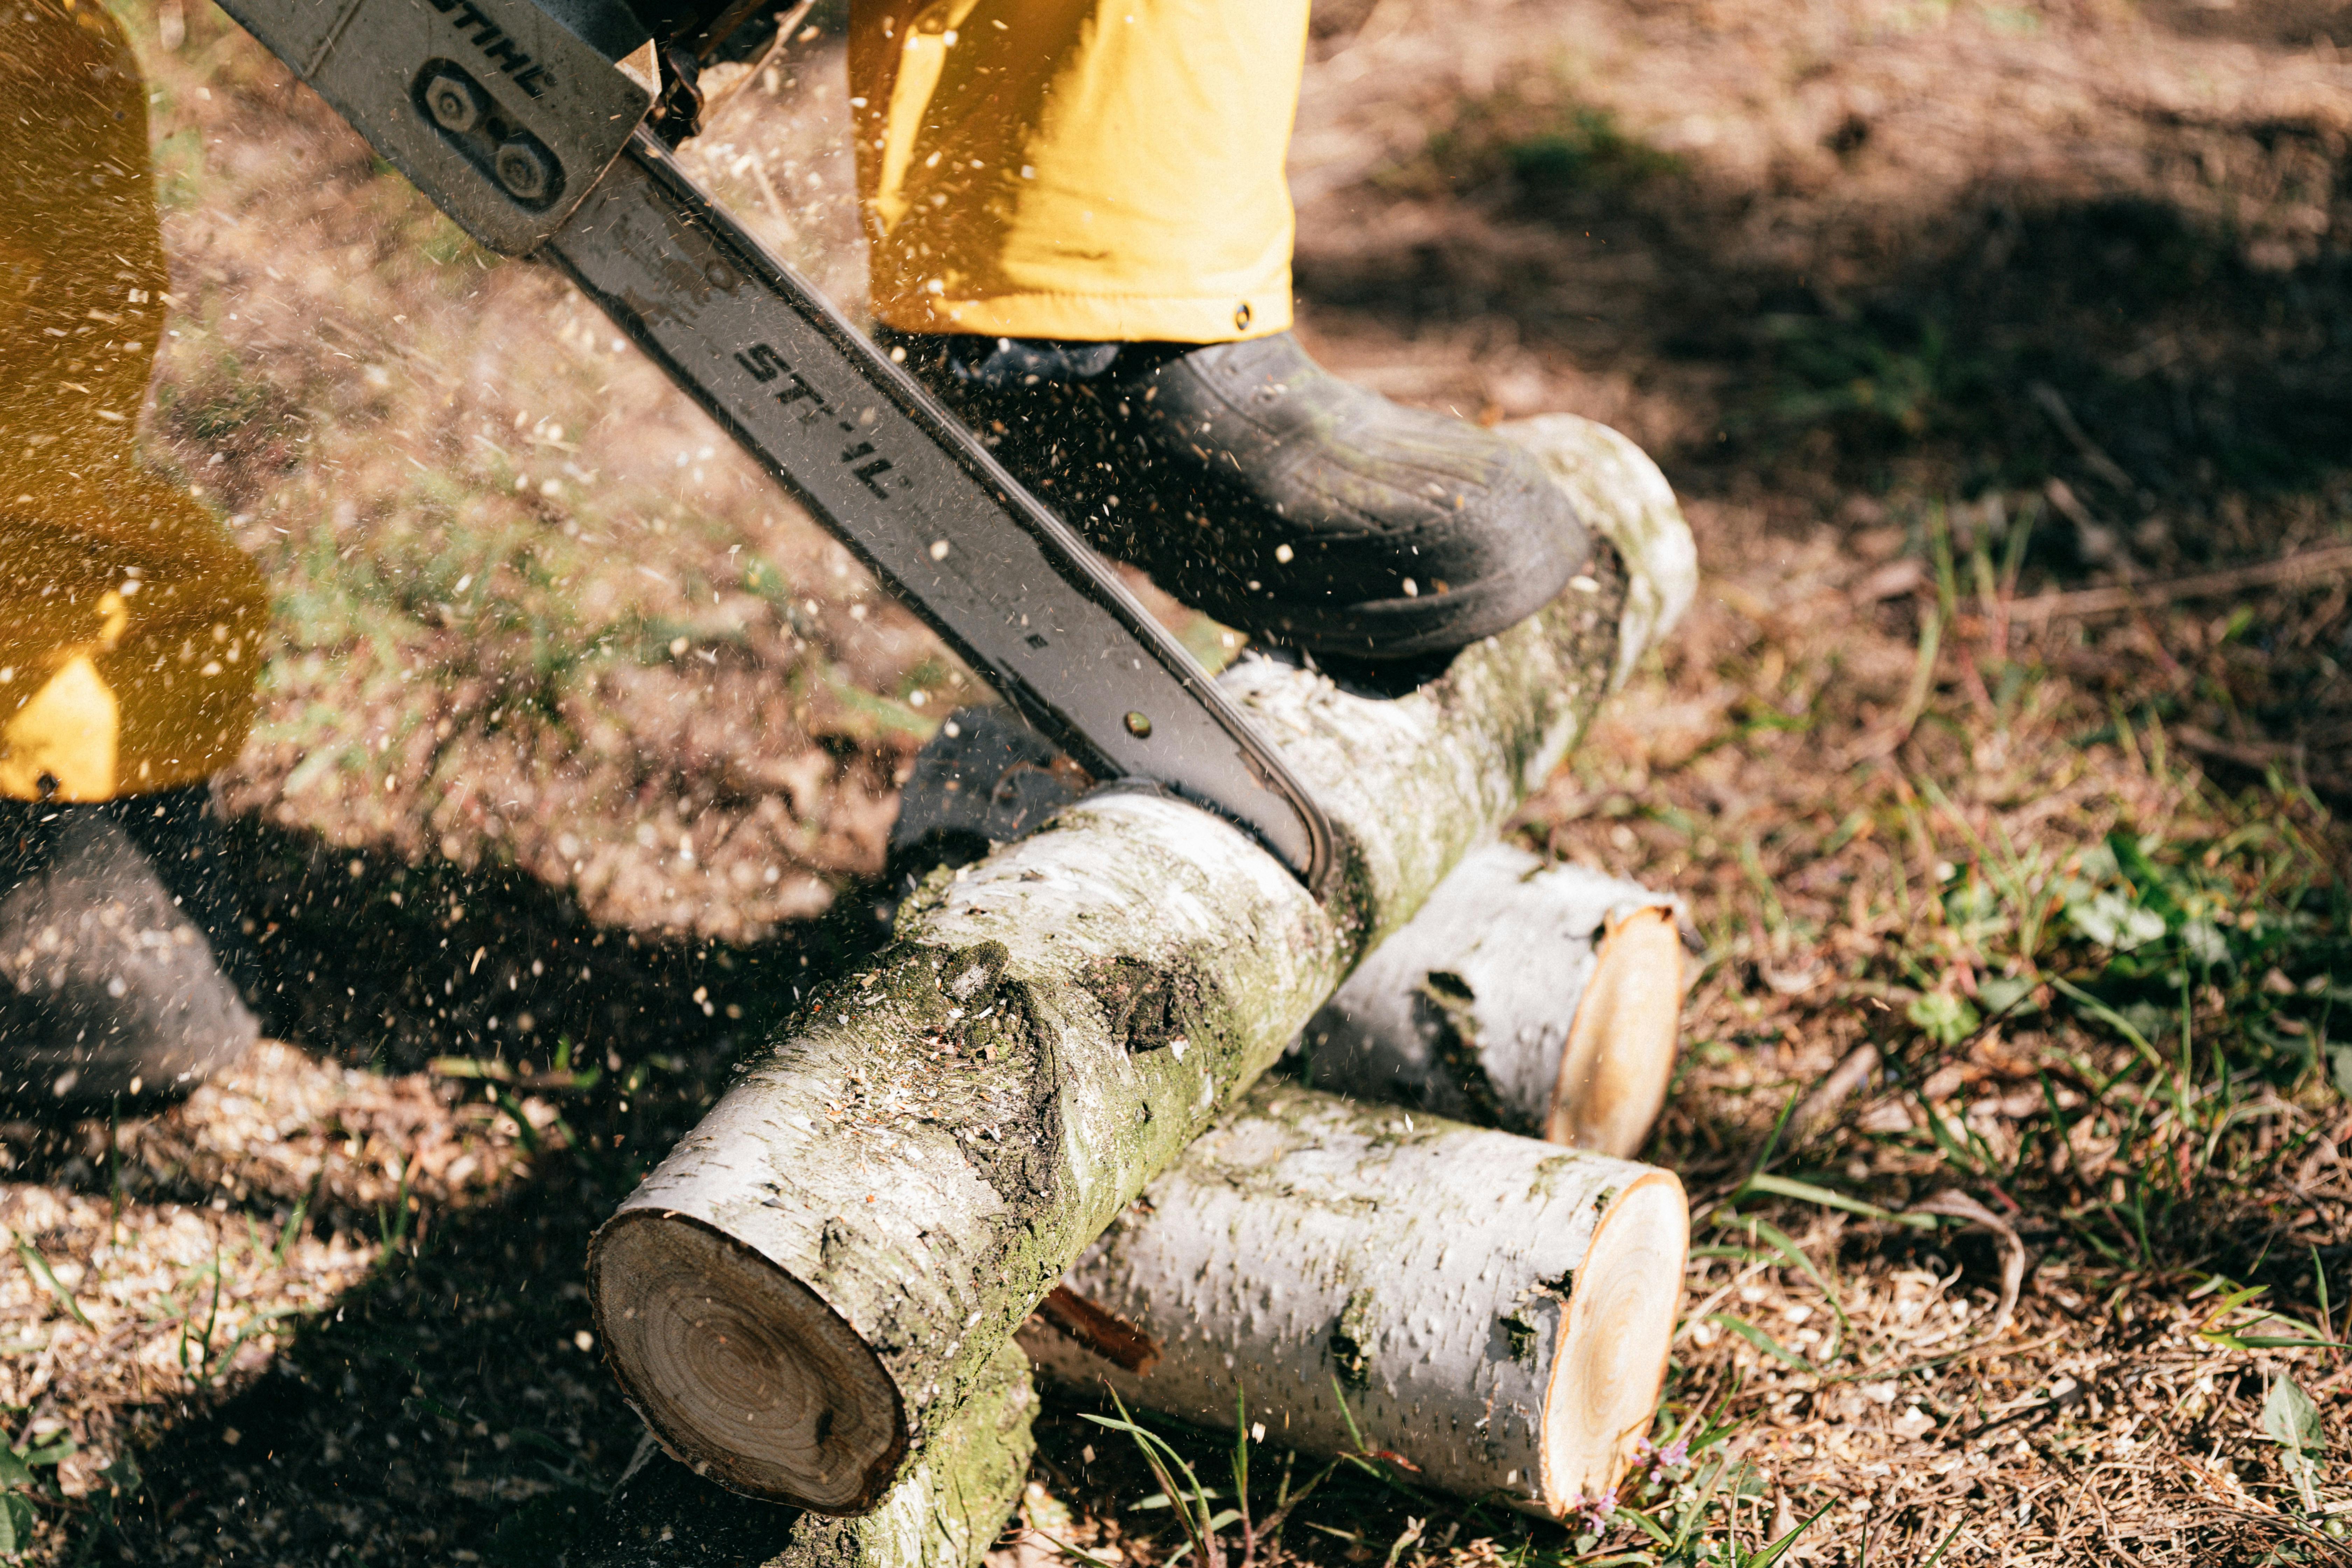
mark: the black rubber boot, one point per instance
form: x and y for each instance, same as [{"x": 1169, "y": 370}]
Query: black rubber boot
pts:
[
  {"x": 1259, "y": 487},
  {"x": 115, "y": 921}
]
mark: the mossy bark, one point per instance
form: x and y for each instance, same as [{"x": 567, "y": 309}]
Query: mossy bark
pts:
[
  {"x": 930, "y": 1143},
  {"x": 944, "y": 1514}
]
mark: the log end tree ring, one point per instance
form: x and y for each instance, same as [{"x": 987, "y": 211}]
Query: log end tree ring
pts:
[
  {"x": 1540, "y": 999},
  {"x": 735, "y": 1364},
  {"x": 1610, "y": 1361},
  {"x": 1620, "y": 1054}
]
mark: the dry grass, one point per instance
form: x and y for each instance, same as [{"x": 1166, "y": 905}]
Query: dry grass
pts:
[
  {"x": 578, "y": 743},
  {"x": 1916, "y": 878}
]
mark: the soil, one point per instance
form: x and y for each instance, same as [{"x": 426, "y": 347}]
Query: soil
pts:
[{"x": 580, "y": 746}]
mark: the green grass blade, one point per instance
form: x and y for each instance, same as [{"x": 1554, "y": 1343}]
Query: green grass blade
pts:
[
  {"x": 1805, "y": 1192},
  {"x": 1761, "y": 1340},
  {"x": 38, "y": 1267}
]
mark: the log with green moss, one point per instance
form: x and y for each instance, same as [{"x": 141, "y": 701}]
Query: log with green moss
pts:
[
  {"x": 805, "y": 1290},
  {"x": 944, "y": 1514},
  {"x": 1490, "y": 1310}
]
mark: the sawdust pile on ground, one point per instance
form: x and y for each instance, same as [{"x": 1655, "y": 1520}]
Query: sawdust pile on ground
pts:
[{"x": 579, "y": 747}]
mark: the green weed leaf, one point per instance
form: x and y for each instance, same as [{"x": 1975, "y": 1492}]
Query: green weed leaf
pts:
[
  {"x": 1761, "y": 1340},
  {"x": 1805, "y": 1192},
  {"x": 1772, "y": 1553},
  {"x": 1944, "y": 1018},
  {"x": 38, "y": 1267},
  {"x": 2292, "y": 1420},
  {"x": 2113, "y": 921},
  {"x": 2001, "y": 994}
]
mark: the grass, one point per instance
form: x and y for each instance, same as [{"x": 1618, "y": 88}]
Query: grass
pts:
[
  {"x": 1535, "y": 138},
  {"x": 2100, "y": 988},
  {"x": 1683, "y": 1504}
]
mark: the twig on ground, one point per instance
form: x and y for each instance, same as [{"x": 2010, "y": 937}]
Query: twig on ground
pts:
[
  {"x": 2101, "y": 464},
  {"x": 1820, "y": 1108},
  {"x": 2287, "y": 570},
  {"x": 1953, "y": 1204},
  {"x": 2255, "y": 755}
]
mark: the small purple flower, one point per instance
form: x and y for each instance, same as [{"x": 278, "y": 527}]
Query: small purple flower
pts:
[
  {"x": 1599, "y": 1511},
  {"x": 1657, "y": 1462}
]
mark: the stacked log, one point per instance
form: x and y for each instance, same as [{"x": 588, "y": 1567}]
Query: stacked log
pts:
[
  {"x": 1544, "y": 1000},
  {"x": 1492, "y": 1312},
  {"x": 804, "y": 1295}
]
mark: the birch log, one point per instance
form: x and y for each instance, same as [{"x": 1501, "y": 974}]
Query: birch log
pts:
[
  {"x": 806, "y": 1288},
  {"x": 1496, "y": 1309},
  {"x": 945, "y": 1513},
  {"x": 1540, "y": 999}
]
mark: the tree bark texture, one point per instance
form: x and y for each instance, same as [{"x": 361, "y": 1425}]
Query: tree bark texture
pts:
[
  {"x": 945, "y": 1512},
  {"x": 1545, "y": 1000},
  {"x": 804, "y": 1291},
  {"x": 1494, "y": 1311}
]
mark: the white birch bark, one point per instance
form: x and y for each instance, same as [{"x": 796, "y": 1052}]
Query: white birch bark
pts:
[
  {"x": 1494, "y": 1311},
  {"x": 1540, "y": 999},
  {"x": 809, "y": 1284}
]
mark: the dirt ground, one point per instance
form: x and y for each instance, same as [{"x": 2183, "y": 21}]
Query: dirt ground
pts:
[{"x": 1949, "y": 321}]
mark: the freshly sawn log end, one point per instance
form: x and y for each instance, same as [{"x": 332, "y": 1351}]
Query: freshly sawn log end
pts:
[
  {"x": 945, "y": 1513},
  {"x": 1493, "y": 1310},
  {"x": 1538, "y": 999},
  {"x": 732, "y": 1361},
  {"x": 1610, "y": 1361},
  {"x": 1619, "y": 1055}
]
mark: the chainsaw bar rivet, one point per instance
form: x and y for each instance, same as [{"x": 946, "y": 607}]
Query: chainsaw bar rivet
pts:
[
  {"x": 524, "y": 169},
  {"x": 454, "y": 102}
]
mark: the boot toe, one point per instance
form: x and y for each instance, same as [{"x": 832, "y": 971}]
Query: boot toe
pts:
[
  {"x": 106, "y": 988},
  {"x": 1378, "y": 531},
  {"x": 1260, "y": 488}
]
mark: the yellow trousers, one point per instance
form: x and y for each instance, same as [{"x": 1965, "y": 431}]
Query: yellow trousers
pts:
[
  {"x": 128, "y": 621},
  {"x": 1102, "y": 170}
]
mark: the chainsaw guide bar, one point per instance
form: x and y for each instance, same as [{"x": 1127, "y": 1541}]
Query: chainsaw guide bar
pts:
[{"x": 515, "y": 121}]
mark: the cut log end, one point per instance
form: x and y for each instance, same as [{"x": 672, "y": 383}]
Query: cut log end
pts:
[
  {"x": 740, "y": 1369},
  {"x": 1610, "y": 1361},
  {"x": 1619, "y": 1055}
]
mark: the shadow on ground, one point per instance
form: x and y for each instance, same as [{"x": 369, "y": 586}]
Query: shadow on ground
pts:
[
  {"x": 2184, "y": 369},
  {"x": 455, "y": 1402}
]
